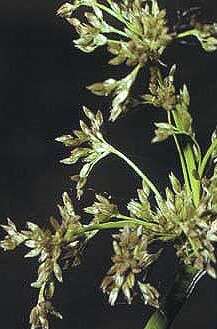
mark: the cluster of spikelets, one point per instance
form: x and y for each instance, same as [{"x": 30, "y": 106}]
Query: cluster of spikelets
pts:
[
  {"x": 130, "y": 260},
  {"x": 49, "y": 245},
  {"x": 174, "y": 218},
  {"x": 136, "y": 32}
]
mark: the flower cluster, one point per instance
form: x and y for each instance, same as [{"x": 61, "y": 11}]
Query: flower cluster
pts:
[
  {"x": 49, "y": 246},
  {"x": 143, "y": 34},
  {"x": 87, "y": 145},
  {"x": 120, "y": 90},
  {"x": 206, "y": 35},
  {"x": 131, "y": 259},
  {"x": 148, "y": 33},
  {"x": 102, "y": 210},
  {"x": 162, "y": 91},
  {"x": 135, "y": 33},
  {"x": 163, "y": 95},
  {"x": 195, "y": 227}
]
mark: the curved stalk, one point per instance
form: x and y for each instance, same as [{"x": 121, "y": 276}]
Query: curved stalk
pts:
[{"x": 137, "y": 171}]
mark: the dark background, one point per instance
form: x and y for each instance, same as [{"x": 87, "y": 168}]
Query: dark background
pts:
[{"x": 42, "y": 89}]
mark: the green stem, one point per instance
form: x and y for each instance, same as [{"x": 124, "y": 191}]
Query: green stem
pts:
[
  {"x": 184, "y": 169},
  {"x": 137, "y": 171},
  {"x": 148, "y": 225},
  {"x": 182, "y": 160},
  {"x": 144, "y": 220},
  {"x": 157, "y": 321},
  {"x": 206, "y": 158},
  {"x": 71, "y": 233},
  {"x": 114, "y": 30},
  {"x": 185, "y": 282},
  {"x": 111, "y": 12},
  {"x": 190, "y": 164},
  {"x": 185, "y": 34}
]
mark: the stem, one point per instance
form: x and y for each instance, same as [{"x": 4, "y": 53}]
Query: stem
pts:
[
  {"x": 157, "y": 321},
  {"x": 190, "y": 165},
  {"x": 137, "y": 171},
  {"x": 110, "y": 12},
  {"x": 145, "y": 223},
  {"x": 185, "y": 34},
  {"x": 184, "y": 169},
  {"x": 206, "y": 158},
  {"x": 127, "y": 221},
  {"x": 185, "y": 282},
  {"x": 114, "y": 30},
  {"x": 182, "y": 160},
  {"x": 70, "y": 234}
]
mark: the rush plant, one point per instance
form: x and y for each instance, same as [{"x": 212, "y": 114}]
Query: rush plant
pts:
[{"x": 135, "y": 33}]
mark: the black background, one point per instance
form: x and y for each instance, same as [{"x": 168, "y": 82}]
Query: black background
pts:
[{"x": 42, "y": 89}]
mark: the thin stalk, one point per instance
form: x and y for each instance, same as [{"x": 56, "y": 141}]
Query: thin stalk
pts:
[
  {"x": 185, "y": 34},
  {"x": 148, "y": 225},
  {"x": 182, "y": 160},
  {"x": 137, "y": 171},
  {"x": 111, "y": 12},
  {"x": 206, "y": 158},
  {"x": 146, "y": 220},
  {"x": 190, "y": 165},
  {"x": 103, "y": 226},
  {"x": 114, "y": 30}
]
